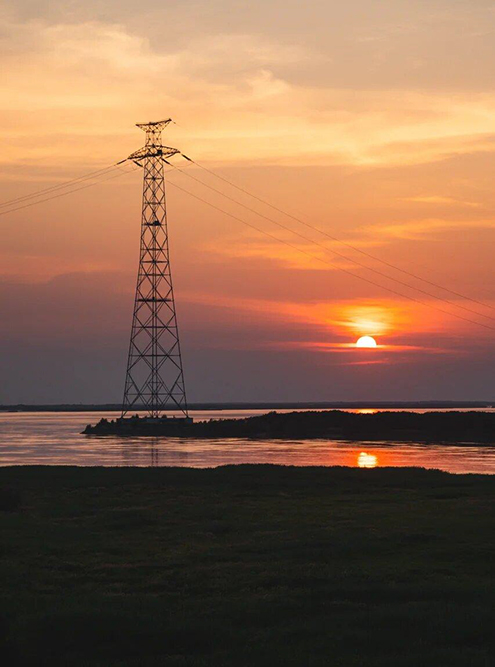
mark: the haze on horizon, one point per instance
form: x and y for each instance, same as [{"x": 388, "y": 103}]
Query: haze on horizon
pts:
[{"x": 373, "y": 120}]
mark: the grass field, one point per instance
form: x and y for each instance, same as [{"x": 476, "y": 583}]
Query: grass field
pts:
[{"x": 250, "y": 565}]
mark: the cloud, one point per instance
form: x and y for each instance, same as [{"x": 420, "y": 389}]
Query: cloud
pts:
[
  {"x": 345, "y": 319},
  {"x": 441, "y": 201},
  {"x": 416, "y": 230},
  {"x": 235, "y": 92},
  {"x": 298, "y": 255}
]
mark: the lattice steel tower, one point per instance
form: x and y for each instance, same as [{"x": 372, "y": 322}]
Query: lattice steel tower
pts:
[{"x": 155, "y": 379}]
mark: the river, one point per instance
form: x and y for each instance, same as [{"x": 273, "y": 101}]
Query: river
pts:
[{"x": 54, "y": 438}]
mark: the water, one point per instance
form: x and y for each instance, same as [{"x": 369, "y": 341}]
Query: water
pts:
[{"x": 53, "y": 438}]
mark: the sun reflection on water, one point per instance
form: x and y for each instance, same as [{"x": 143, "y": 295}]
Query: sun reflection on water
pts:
[{"x": 365, "y": 460}]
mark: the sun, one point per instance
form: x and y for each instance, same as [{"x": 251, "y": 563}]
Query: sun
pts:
[
  {"x": 366, "y": 460},
  {"x": 366, "y": 341}
]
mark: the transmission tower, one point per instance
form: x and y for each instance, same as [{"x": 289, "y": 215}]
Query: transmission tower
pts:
[{"x": 155, "y": 379}]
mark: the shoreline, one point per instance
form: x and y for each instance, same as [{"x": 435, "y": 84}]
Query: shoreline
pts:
[{"x": 467, "y": 428}]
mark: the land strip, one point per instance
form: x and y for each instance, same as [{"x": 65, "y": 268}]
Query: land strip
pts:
[{"x": 246, "y": 565}]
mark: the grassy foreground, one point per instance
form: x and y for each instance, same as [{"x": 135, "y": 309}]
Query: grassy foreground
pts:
[{"x": 249, "y": 565}]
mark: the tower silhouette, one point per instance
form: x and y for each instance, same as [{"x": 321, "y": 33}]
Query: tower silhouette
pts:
[{"x": 155, "y": 378}]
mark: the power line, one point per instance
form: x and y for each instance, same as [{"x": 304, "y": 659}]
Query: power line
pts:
[
  {"x": 319, "y": 259},
  {"x": 68, "y": 192},
  {"x": 106, "y": 170},
  {"x": 334, "y": 252},
  {"x": 337, "y": 240},
  {"x": 65, "y": 184}
]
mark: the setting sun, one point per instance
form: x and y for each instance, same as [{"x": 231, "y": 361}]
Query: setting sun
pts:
[
  {"x": 366, "y": 460},
  {"x": 366, "y": 341}
]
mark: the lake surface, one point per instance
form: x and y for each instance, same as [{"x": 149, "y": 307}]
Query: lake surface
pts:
[{"x": 54, "y": 438}]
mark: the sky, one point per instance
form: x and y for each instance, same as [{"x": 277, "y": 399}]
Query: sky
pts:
[{"x": 373, "y": 121}]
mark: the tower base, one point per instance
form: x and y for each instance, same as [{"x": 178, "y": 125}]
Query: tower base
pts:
[{"x": 141, "y": 426}]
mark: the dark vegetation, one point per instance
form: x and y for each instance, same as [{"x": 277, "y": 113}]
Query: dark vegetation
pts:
[
  {"x": 465, "y": 427},
  {"x": 248, "y": 565}
]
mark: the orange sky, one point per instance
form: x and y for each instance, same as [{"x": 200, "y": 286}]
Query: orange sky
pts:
[{"x": 373, "y": 121}]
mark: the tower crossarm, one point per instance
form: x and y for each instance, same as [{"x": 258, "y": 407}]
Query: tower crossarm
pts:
[
  {"x": 153, "y": 147},
  {"x": 155, "y": 125},
  {"x": 153, "y": 151}
]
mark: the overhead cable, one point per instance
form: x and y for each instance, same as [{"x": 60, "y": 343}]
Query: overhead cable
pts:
[
  {"x": 324, "y": 261},
  {"x": 334, "y": 252},
  {"x": 338, "y": 240}
]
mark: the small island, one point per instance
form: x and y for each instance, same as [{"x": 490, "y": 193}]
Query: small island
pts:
[{"x": 428, "y": 427}]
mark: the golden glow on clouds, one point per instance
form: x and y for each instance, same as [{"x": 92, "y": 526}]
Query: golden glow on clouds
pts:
[
  {"x": 256, "y": 246},
  {"x": 332, "y": 322},
  {"x": 108, "y": 69},
  {"x": 368, "y": 319},
  {"x": 441, "y": 201},
  {"x": 417, "y": 230}
]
